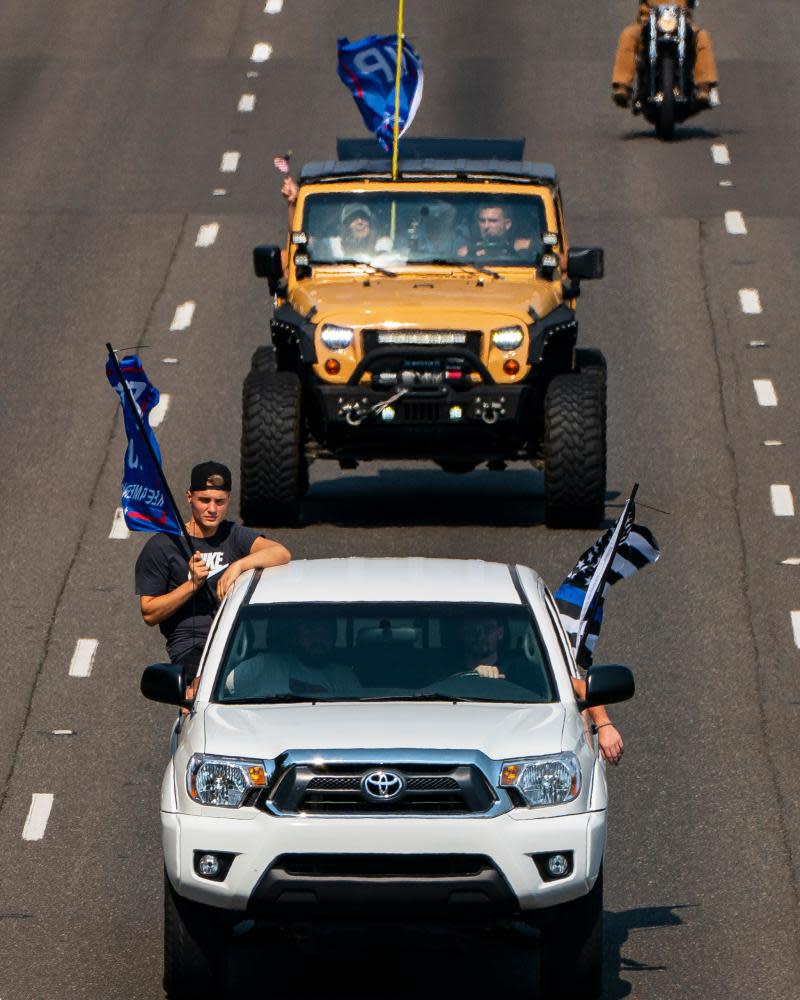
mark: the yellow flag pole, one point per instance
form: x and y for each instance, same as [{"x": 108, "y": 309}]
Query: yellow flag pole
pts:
[{"x": 398, "y": 75}]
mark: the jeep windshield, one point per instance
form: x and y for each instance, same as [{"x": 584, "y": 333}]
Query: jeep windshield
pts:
[
  {"x": 435, "y": 228},
  {"x": 387, "y": 651}
]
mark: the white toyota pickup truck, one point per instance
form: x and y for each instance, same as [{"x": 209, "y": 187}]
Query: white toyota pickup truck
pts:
[{"x": 388, "y": 737}]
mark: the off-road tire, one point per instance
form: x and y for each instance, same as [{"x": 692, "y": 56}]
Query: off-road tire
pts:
[
  {"x": 264, "y": 360},
  {"x": 571, "y": 956},
  {"x": 274, "y": 472},
  {"x": 665, "y": 120},
  {"x": 575, "y": 450},
  {"x": 194, "y": 949}
]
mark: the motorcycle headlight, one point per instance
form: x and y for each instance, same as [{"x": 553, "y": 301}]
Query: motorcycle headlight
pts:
[
  {"x": 668, "y": 22},
  {"x": 507, "y": 338},
  {"x": 336, "y": 338},
  {"x": 223, "y": 781},
  {"x": 544, "y": 781}
]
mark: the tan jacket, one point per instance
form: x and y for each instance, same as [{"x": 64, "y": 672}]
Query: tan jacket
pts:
[{"x": 645, "y": 5}]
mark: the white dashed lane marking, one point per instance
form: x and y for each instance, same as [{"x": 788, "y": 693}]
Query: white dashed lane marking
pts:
[
  {"x": 230, "y": 162},
  {"x": 219, "y": 192},
  {"x": 765, "y": 392},
  {"x": 160, "y": 411},
  {"x": 273, "y": 7},
  {"x": 735, "y": 224},
  {"x": 782, "y": 500},
  {"x": 83, "y": 658},
  {"x": 750, "y": 300},
  {"x": 38, "y": 815},
  {"x": 183, "y": 317},
  {"x": 119, "y": 529},
  {"x": 246, "y": 102},
  {"x": 207, "y": 235},
  {"x": 796, "y": 627},
  {"x": 721, "y": 155},
  {"x": 726, "y": 184},
  {"x": 261, "y": 52},
  {"x": 773, "y": 444},
  {"x": 791, "y": 561}
]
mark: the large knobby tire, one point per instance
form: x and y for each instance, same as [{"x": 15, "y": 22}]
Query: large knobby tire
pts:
[
  {"x": 264, "y": 360},
  {"x": 194, "y": 949},
  {"x": 665, "y": 123},
  {"x": 274, "y": 472},
  {"x": 571, "y": 956},
  {"x": 575, "y": 450}
]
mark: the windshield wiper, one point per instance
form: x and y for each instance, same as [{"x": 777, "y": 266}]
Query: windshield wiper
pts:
[
  {"x": 278, "y": 699},
  {"x": 468, "y": 267},
  {"x": 428, "y": 696},
  {"x": 366, "y": 263}
]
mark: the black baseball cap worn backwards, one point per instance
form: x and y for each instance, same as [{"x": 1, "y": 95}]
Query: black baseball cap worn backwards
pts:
[{"x": 210, "y": 476}]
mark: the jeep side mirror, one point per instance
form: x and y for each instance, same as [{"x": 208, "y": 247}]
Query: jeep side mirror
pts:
[
  {"x": 606, "y": 685},
  {"x": 585, "y": 262},
  {"x": 267, "y": 264},
  {"x": 164, "y": 682}
]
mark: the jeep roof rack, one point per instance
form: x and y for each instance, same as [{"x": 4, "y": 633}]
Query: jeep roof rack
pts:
[{"x": 429, "y": 157}]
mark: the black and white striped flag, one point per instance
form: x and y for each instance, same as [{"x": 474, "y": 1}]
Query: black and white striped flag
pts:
[{"x": 619, "y": 553}]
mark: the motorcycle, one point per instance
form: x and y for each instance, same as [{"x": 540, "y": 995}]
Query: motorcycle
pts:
[{"x": 664, "y": 91}]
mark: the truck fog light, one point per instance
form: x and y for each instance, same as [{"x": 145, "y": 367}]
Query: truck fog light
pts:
[
  {"x": 557, "y": 865},
  {"x": 511, "y": 367},
  {"x": 387, "y": 413},
  {"x": 208, "y": 866},
  {"x": 332, "y": 366},
  {"x": 456, "y": 413}
]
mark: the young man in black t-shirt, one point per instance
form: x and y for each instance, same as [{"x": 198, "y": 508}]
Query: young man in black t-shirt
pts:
[{"x": 180, "y": 594}]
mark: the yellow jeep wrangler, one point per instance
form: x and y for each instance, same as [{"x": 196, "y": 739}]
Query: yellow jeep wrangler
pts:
[{"x": 428, "y": 317}]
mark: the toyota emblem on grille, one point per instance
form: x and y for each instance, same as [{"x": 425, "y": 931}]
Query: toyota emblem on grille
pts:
[{"x": 383, "y": 786}]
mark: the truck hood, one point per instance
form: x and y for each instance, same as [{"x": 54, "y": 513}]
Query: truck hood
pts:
[
  {"x": 427, "y": 302},
  {"x": 499, "y": 731}
]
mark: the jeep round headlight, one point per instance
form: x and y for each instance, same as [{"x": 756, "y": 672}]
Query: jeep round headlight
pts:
[
  {"x": 223, "y": 781},
  {"x": 668, "y": 22},
  {"x": 544, "y": 781},
  {"x": 507, "y": 338},
  {"x": 336, "y": 338}
]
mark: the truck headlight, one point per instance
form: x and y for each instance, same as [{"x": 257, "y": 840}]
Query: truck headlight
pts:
[
  {"x": 507, "y": 338},
  {"x": 223, "y": 781},
  {"x": 336, "y": 338},
  {"x": 544, "y": 781}
]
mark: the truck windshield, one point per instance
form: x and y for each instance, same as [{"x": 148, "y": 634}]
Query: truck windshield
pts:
[
  {"x": 431, "y": 227},
  {"x": 391, "y": 651}
]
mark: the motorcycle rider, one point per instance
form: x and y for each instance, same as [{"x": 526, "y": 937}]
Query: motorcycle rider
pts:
[{"x": 705, "y": 67}]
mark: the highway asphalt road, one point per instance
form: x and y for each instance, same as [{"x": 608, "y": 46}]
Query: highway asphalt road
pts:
[{"x": 114, "y": 119}]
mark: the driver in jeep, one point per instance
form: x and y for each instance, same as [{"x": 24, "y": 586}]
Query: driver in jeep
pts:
[
  {"x": 705, "y": 67},
  {"x": 494, "y": 236}
]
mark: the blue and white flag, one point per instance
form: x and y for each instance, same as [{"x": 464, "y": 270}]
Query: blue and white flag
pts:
[
  {"x": 145, "y": 505},
  {"x": 368, "y": 68},
  {"x": 619, "y": 553}
]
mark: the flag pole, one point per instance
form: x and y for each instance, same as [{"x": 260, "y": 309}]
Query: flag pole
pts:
[
  {"x": 397, "y": 78},
  {"x": 146, "y": 438},
  {"x": 593, "y": 597}
]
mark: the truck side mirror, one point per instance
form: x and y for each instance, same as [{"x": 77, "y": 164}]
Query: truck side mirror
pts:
[
  {"x": 606, "y": 685},
  {"x": 267, "y": 264},
  {"x": 164, "y": 682},
  {"x": 585, "y": 262}
]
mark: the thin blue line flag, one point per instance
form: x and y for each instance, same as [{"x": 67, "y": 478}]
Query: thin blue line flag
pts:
[
  {"x": 144, "y": 503},
  {"x": 623, "y": 550},
  {"x": 368, "y": 68}
]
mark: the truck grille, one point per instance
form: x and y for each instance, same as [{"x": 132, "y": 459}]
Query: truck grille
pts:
[
  {"x": 337, "y": 790},
  {"x": 469, "y": 340}
]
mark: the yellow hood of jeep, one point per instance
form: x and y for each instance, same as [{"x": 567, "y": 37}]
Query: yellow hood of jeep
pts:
[{"x": 455, "y": 301}]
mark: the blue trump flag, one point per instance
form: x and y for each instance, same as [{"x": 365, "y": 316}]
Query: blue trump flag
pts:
[
  {"x": 146, "y": 501},
  {"x": 368, "y": 68}
]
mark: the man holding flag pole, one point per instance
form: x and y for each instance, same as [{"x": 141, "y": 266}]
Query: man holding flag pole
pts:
[{"x": 187, "y": 567}]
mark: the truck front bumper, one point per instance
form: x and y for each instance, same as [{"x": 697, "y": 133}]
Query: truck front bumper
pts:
[{"x": 284, "y": 865}]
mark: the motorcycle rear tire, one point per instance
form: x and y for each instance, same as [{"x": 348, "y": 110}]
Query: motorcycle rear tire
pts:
[{"x": 665, "y": 122}]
